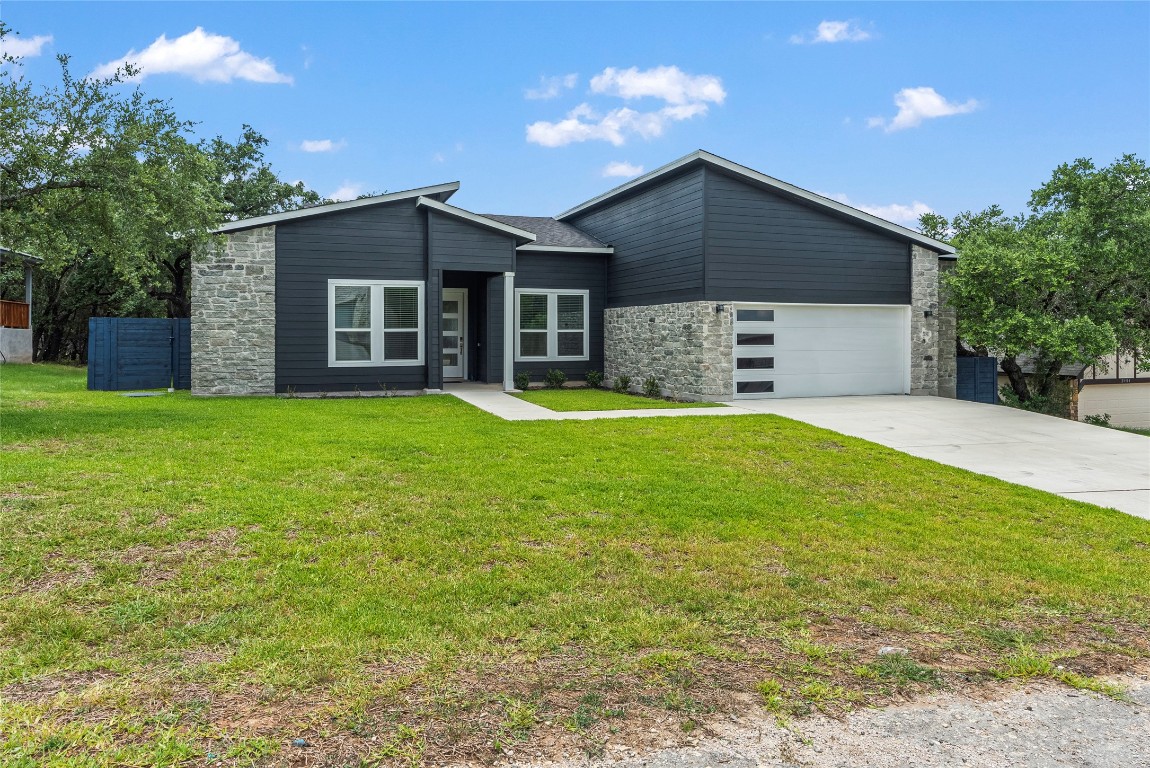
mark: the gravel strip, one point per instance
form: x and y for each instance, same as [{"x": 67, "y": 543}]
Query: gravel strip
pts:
[{"x": 1033, "y": 725}]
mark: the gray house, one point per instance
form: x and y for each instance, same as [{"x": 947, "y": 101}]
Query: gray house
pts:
[{"x": 716, "y": 279}]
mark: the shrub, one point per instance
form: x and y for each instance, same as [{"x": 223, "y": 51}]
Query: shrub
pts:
[
  {"x": 554, "y": 378},
  {"x": 594, "y": 379},
  {"x": 622, "y": 383},
  {"x": 1098, "y": 420},
  {"x": 522, "y": 380},
  {"x": 651, "y": 387},
  {"x": 1056, "y": 404}
]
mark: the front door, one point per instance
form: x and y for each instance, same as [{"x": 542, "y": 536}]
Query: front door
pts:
[{"x": 454, "y": 327}]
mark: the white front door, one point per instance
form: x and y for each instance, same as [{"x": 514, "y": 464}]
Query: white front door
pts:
[{"x": 454, "y": 329}]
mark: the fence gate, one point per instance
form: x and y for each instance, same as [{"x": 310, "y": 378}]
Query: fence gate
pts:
[
  {"x": 139, "y": 353},
  {"x": 977, "y": 379}
]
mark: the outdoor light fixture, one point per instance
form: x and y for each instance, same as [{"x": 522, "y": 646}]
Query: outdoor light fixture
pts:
[{"x": 720, "y": 307}]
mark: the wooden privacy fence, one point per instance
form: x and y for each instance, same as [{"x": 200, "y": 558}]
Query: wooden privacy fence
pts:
[
  {"x": 139, "y": 353},
  {"x": 14, "y": 314},
  {"x": 977, "y": 379}
]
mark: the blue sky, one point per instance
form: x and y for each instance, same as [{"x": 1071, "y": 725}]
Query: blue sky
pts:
[{"x": 894, "y": 107}]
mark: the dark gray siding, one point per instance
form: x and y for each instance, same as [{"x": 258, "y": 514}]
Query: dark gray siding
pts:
[
  {"x": 576, "y": 271},
  {"x": 385, "y": 242},
  {"x": 658, "y": 239},
  {"x": 762, "y": 246},
  {"x": 460, "y": 245},
  {"x": 494, "y": 370}
]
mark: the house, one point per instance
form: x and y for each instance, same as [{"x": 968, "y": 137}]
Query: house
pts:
[
  {"x": 1114, "y": 385},
  {"x": 16, "y": 314},
  {"x": 714, "y": 278}
]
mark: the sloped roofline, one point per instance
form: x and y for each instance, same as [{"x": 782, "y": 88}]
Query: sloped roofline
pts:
[
  {"x": 437, "y": 192},
  {"x": 27, "y": 258},
  {"x": 474, "y": 218},
  {"x": 761, "y": 179}
]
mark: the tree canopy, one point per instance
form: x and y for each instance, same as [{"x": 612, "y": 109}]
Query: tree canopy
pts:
[{"x": 1066, "y": 282}]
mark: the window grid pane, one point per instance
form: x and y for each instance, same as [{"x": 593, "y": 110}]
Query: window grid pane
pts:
[
  {"x": 353, "y": 306},
  {"x": 571, "y": 312},
  {"x": 533, "y": 343},
  {"x": 571, "y": 344},
  {"x": 400, "y": 307},
  {"x": 352, "y": 345},
  {"x": 401, "y": 345},
  {"x": 533, "y": 312}
]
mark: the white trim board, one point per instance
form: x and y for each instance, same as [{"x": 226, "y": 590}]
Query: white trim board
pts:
[
  {"x": 532, "y": 248},
  {"x": 445, "y": 190},
  {"x": 706, "y": 158}
]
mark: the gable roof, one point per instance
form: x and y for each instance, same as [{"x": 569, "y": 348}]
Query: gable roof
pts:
[
  {"x": 521, "y": 235},
  {"x": 703, "y": 158},
  {"x": 438, "y": 192},
  {"x": 552, "y": 234}
]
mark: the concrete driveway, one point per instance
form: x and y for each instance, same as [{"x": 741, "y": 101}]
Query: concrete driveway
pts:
[{"x": 1079, "y": 461}]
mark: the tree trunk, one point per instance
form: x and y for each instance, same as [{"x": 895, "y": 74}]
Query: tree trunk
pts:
[
  {"x": 1047, "y": 376},
  {"x": 1016, "y": 377}
]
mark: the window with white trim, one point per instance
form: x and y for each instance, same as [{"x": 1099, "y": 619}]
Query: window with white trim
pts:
[
  {"x": 550, "y": 324},
  {"x": 375, "y": 322}
]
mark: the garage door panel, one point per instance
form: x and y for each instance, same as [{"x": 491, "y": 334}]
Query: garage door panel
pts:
[{"x": 819, "y": 351}]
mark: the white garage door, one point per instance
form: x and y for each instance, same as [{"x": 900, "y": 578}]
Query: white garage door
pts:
[{"x": 789, "y": 350}]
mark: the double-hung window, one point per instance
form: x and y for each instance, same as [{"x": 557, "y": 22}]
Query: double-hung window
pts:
[
  {"x": 551, "y": 324},
  {"x": 375, "y": 322}
]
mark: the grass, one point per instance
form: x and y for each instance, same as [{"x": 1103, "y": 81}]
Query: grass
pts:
[
  {"x": 585, "y": 399},
  {"x": 413, "y": 579}
]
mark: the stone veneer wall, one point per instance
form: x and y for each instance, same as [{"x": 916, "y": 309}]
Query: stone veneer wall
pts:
[
  {"x": 924, "y": 331},
  {"x": 234, "y": 316},
  {"x": 947, "y": 333},
  {"x": 687, "y": 346}
]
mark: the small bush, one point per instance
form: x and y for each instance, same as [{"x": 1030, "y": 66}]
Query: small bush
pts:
[
  {"x": 554, "y": 378},
  {"x": 522, "y": 380},
  {"x": 1098, "y": 420},
  {"x": 622, "y": 384},
  {"x": 651, "y": 387},
  {"x": 594, "y": 379},
  {"x": 1055, "y": 404}
]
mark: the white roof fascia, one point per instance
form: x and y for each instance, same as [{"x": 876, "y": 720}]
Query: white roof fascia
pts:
[
  {"x": 320, "y": 210},
  {"x": 476, "y": 219},
  {"x": 762, "y": 178},
  {"x": 566, "y": 249}
]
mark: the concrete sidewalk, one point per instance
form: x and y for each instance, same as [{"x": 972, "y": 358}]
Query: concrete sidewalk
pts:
[{"x": 492, "y": 398}]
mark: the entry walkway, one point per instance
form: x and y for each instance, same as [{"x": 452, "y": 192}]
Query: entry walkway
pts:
[
  {"x": 492, "y": 398},
  {"x": 1079, "y": 461}
]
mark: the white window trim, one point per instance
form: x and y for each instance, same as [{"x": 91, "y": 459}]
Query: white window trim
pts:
[
  {"x": 376, "y": 329},
  {"x": 552, "y": 295}
]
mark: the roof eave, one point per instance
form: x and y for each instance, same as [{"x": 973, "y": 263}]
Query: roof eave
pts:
[
  {"x": 27, "y": 258},
  {"x": 702, "y": 157},
  {"x": 443, "y": 191},
  {"x": 479, "y": 221},
  {"x": 533, "y": 248}
]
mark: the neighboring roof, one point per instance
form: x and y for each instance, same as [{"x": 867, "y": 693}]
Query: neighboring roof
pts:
[
  {"x": 474, "y": 218},
  {"x": 1068, "y": 371},
  {"x": 552, "y": 234},
  {"x": 704, "y": 158},
  {"x": 438, "y": 192},
  {"x": 8, "y": 254}
]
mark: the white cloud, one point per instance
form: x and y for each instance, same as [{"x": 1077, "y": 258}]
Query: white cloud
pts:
[
  {"x": 322, "y": 145},
  {"x": 24, "y": 47},
  {"x": 899, "y": 213},
  {"x": 349, "y": 190},
  {"x": 834, "y": 32},
  {"x": 918, "y": 104},
  {"x": 621, "y": 169},
  {"x": 550, "y": 87},
  {"x": 670, "y": 84},
  {"x": 685, "y": 96},
  {"x": 200, "y": 55}
]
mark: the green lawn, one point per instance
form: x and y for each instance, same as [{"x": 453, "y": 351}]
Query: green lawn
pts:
[
  {"x": 583, "y": 399},
  {"x": 414, "y": 580}
]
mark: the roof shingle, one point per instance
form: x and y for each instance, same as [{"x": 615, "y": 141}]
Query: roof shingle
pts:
[{"x": 550, "y": 232}]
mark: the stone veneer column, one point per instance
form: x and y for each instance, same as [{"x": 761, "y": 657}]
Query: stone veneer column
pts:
[
  {"x": 947, "y": 333},
  {"x": 234, "y": 316},
  {"x": 687, "y": 346},
  {"x": 924, "y": 341}
]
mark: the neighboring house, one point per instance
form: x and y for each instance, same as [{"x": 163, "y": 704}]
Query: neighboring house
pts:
[
  {"x": 1115, "y": 386},
  {"x": 16, "y": 314},
  {"x": 716, "y": 279}
]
